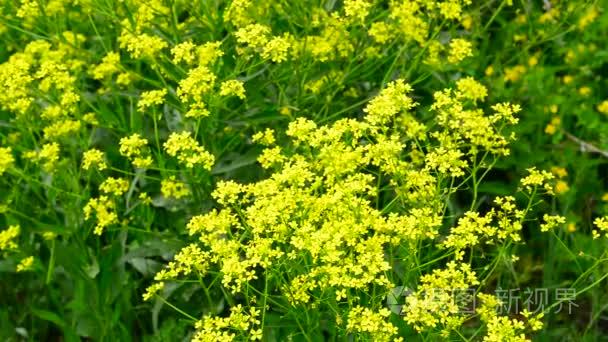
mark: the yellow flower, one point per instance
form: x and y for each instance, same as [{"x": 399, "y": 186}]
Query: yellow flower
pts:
[
  {"x": 536, "y": 179},
  {"x": 380, "y": 32},
  {"x": 277, "y": 48},
  {"x": 469, "y": 88},
  {"x": 61, "y": 128},
  {"x": 376, "y": 324},
  {"x": 561, "y": 187},
  {"x": 199, "y": 81},
  {"x": 49, "y": 235},
  {"x": 114, "y": 186},
  {"x": 6, "y": 159},
  {"x": 253, "y": 35},
  {"x": 134, "y": 148},
  {"x": 141, "y": 45},
  {"x": 103, "y": 209},
  {"x": 489, "y": 70},
  {"x": 92, "y": 158},
  {"x": 357, "y": 9},
  {"x": 184, "y": 52},
  {"x": 188, "y": 151},
  {"x": 265, "y": 138},
  {"x": 459, "y": 49},
  {"x": 551, "y": 221},
  {"x": 209, "y": 52},
  {"x": 587, "y": 18},
  {"x": 603, "y": 107},
  {"x": 601, "y": 223},
  {"x": 152, "y": 290},
  {"x": 151, "y": 98},
  {"x": 513, "y": 74},
  {"x": 584, "y": 91},
  {"x": 232, "y": 87},
  {"x": 109, "y": 66},
  {"x": 172, "y": 188},
  {"x": 48, "y": 156},
  {"x": 559, "y": 172},
  {"x": 25, "y": 264},
  {"x": 450, "y": 9},
  {"x": 8, "y": 237}
]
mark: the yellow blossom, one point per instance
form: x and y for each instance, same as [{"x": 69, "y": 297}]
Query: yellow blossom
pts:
[
  {"x": 265, "y": 137},
  {"x": 601, "y": 223},
  {"x": 151, "y": 98},
  {"x": 172, "y": 188},
  {"x": 357, "y": 9},
  {"x": 459, "y": 49},
  {"x": 134, "y": 147},
  {"x": 380, "y": 32},
  {"x": 6, "y": 159},
  {"x": 188, "y": 151},
  {"x": 603, "y": 107},
  {"x": 551, "y": 221},
  {"x": 513, "y": 74},
  {"x": 185, "y": 52},
  {"x": 103, "y": 209},
  {"x": 93, "y": 158},
  {"x": 8, "y": 237},
  {"x": 232, "y": 87},
  {"x": 25, "y": 264},
  {"x": 114, "y": 186},
  {"x": 537, "y": 179},
  {"x": 277, "y": 48}
]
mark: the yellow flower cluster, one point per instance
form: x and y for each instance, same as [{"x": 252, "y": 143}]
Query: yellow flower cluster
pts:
[
  {"x": 108, "y": 67},
  {"x": 151, "y": 98},
  {"x": 93, "y": 158},
  {"x": 365, "y": 320},
  {"x": 135, "y": 148},
  {"x": 104, "y": 210},
  {"x": 172, "y": 188},
  {"x": 6, "y": 159},
  {"x": 48, "y": 156},
  {"x": 551, "y": 221},
  {"x": 601, "y": 223},
  {"x": 8, "y": 237},
  {"x": 25, "y": 264},
  {"x": 187, "y": 150},
  {"x": 433, "y": 305},
  {"x": 538, "y": 179},
  {"x": 221, "y": 329},
  {"x": 495, "y": 226},
  {"x": 114, "y": 186},
  {"x": 499, "y": 328},
  {"x": 317, "y": 206},
  {"x": 232, "y": 87},
  {"x": 459, "y": 49},
  {"x": 141, "y": 45},
  {"x": 61, "y": 128}
]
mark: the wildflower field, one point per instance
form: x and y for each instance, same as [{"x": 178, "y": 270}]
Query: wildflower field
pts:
[{"x": 304, "y": 170}]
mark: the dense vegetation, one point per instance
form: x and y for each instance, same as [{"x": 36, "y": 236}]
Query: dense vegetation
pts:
[{"x": 305, "y": 170}]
